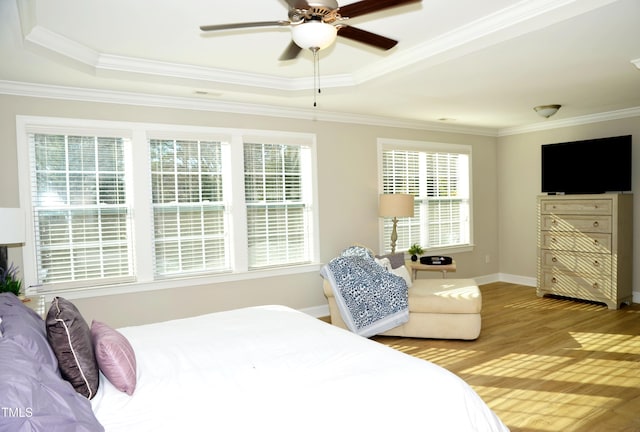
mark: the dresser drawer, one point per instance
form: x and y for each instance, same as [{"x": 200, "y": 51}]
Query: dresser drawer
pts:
[
  {"x": 578, "y": 206},
  {"x": 585, "y": 287},
  {"x": 577, "y": 263},
  {"x": 595, "y": 242},
  {"x": 592, "y": 224}
]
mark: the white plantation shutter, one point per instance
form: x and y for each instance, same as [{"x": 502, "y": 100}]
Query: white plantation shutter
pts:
[
  {"x": 439, "y": 181},
  {"x": 189, "y": 215},
  {"x": 82, "y": 214},
  {"x": 277, "y": 200},
  {"x": 401, "y": 174},
  {"x": 447, "y": 198}
]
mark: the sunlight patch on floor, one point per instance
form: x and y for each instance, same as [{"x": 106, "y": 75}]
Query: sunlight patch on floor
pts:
[
  {"x": 407, "y": 349},
  {"x": 544, "y": 412},
  {"x": 520, "y": 366},
  {"x": 619, "y": 373},
  {"x": 556, "y": 304},
  {"x": 604, "y": 342},
  {"x": 441, "y": 356},
  {"x": 562, "y": 369},
  {"x": 445, "y": 357}
]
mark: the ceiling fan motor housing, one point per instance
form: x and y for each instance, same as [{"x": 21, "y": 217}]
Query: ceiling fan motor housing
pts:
[
  {"x": 315, "y": 24},
  {"x": 319, "y": 13}
]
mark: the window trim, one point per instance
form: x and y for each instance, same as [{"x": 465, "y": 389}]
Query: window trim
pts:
[
  {"x": 138, "y": 133},
  {"x": 399, "y": 144}
]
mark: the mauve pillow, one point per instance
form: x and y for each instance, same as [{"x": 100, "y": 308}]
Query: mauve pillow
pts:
[
  {"x": 70, "y": 338},
  {"x": 115, "y": 356}
]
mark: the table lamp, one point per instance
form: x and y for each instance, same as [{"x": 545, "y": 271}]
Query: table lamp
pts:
[
  {"x": 395, "y": 206},
  {"x": 11, "y": 231}
]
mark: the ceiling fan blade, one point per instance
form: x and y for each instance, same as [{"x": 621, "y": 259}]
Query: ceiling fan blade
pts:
[
  {"x": 368, "y": 6},
  {"x": 366, "y": 37},
  {"x": 297, "y": 4},
  {"x": 216, "y": 27},
  {"x": 290, "y": 52}
]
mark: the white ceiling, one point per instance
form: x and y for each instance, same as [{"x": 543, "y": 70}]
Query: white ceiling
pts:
[{"x": 476, "y": 64}]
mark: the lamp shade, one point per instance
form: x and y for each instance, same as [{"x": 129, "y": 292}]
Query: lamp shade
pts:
[
  {"x": 396, "y": 205},
  {"x": 314, "y": 34},
  {"x": 11, "y": 226}
]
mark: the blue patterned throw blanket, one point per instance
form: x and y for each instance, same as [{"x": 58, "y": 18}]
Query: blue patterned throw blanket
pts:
[{"x": 371, "y": 300}]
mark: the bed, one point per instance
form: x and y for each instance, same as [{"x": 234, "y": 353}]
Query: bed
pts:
[{"x": 259, "y": 368}]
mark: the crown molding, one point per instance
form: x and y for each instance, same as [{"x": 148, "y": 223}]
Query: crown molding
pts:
[
  {"x": 105, "y": 63},
  {"x": 570, "y": 122},
  {"x": 502, "y": 25},
  {"x": 137, "y": 99}
]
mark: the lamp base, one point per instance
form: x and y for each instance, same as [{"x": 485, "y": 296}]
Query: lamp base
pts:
[{"x": 394, "y": 235}]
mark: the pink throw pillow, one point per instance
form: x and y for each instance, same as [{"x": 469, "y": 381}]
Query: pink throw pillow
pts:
[{"x": 115, "y": 356}]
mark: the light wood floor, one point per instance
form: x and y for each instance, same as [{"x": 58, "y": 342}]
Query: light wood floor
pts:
[{"x": 547, "y": 364}]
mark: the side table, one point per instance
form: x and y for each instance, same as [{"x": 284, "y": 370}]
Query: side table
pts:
[
  {"x": 416, "y": 266},
  {"x": 37, "y": 303}
]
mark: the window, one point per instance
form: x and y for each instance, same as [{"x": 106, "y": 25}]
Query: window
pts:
[
  {"x": 189, "y": 215},
  {"x": 81, "y": 211},
  {"x": 278, "y": 210},
  {"x": 198, "y": 202},
  {"x": 438, "y": 176}
]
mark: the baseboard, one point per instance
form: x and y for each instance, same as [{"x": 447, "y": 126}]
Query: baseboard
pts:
[
  {"x": 518, "y": 280},
  {"x": 317, "y": 311},
  {"x": 503, "y": 277},
  {"x": 486, "y": 279}
]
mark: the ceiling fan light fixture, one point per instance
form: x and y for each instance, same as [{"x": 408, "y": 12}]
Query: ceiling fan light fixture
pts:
[
  {"x": 314, "y": 34},
  {"x": 547, "y": 111}
]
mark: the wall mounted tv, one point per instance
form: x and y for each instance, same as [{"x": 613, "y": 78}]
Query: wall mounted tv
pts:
[{"x": 589, "y": 166}]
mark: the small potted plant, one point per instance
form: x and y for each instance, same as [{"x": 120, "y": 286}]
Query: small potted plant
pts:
[
  {"x": 415, "y": 250},
  {"x": 9, "y": 281}
]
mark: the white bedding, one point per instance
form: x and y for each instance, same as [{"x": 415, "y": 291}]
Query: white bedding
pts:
[{"x": 276, "y": 369}]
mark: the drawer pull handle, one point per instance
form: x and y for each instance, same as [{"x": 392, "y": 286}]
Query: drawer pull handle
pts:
[
  {"x": 596, "y": 224},
  {"x": 595, "y": 285},
  {"x": 554, "y": 259},
  {"x": 554, "y": 222},
  {"x": 554, "y": 280},
  {"x": 596, "y": 264},
  {"x": 596, "y": 242}
]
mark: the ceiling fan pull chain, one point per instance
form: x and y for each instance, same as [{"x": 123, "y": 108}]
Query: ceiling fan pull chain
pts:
[
  {"x": 316, "y": 78},
  {"x": 318, "y": 62}
]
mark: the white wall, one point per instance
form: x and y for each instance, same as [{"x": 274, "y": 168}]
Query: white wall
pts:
[{"x": 347, "y": 189}]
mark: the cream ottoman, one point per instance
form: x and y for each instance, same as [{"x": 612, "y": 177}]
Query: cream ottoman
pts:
[{"x": 438, "y": 309}]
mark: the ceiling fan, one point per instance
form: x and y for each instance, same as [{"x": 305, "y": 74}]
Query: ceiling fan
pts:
[{"x": 316, "y": 23}]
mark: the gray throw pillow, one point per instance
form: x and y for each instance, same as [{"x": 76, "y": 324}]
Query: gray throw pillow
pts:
[
  {"x": 396, "y": 260},
  {"x": 70, "y": 338}
]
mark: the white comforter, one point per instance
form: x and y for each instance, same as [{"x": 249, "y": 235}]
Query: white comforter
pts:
[{"x": 276, "y": 369}]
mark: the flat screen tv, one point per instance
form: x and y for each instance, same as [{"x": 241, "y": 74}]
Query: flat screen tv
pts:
[{"x": 587, "y": 167}]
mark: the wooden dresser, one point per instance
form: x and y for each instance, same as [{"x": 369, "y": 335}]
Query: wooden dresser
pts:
[{"x": 585, "y": 247}]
